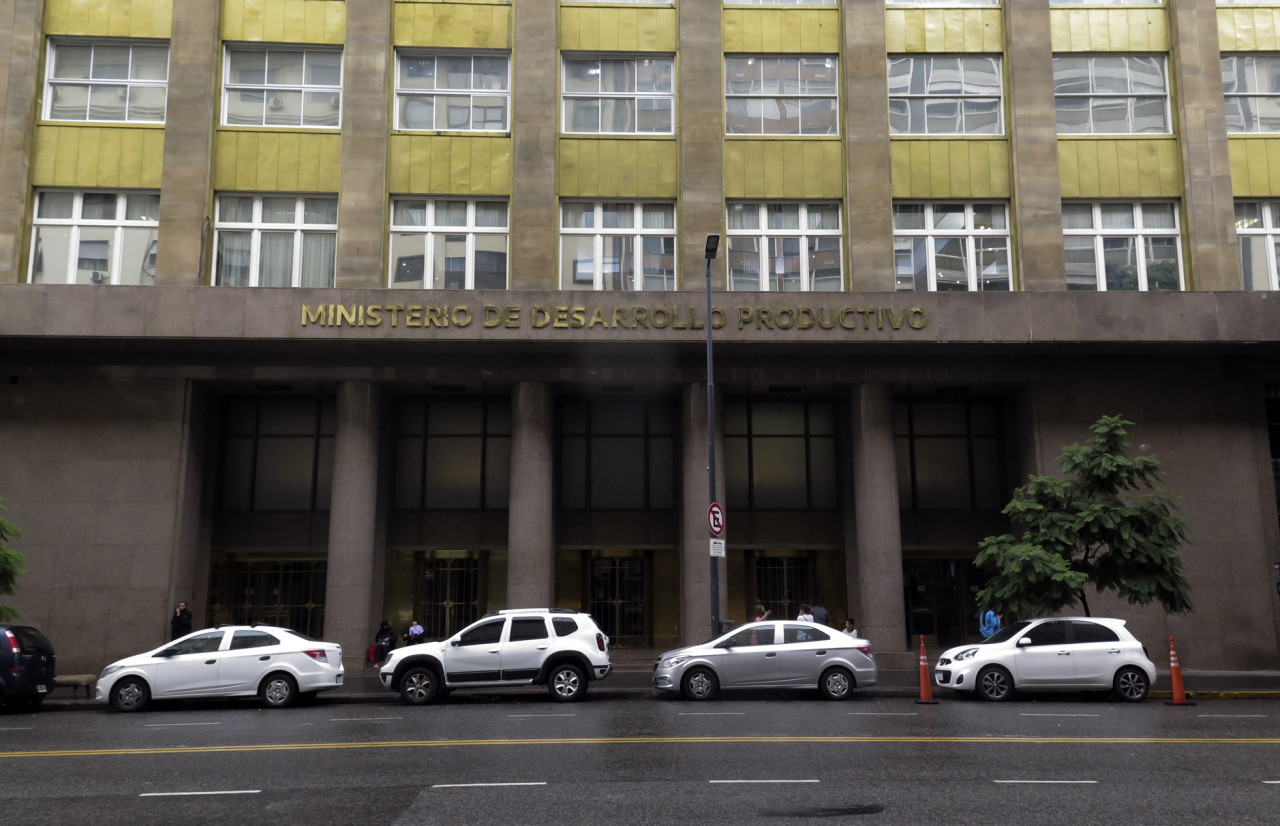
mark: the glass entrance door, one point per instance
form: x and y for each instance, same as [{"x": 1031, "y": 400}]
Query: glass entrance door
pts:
[
  {"x": 617, "y": 598},
  {"x": 940, "y": 601}
]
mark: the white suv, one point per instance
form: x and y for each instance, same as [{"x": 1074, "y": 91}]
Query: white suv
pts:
[{"x": 556, "y": 647}]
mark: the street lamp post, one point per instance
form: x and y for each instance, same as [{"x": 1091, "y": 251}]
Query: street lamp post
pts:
[{"x": 713, "y": 241}]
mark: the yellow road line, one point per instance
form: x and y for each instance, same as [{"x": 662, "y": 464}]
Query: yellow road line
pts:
[{"x": 577, "y": 741}]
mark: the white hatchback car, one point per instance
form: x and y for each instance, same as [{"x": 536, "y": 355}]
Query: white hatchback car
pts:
[
  {"x": 275, "y": 664},
  {"x": 1061, "y": 653}
]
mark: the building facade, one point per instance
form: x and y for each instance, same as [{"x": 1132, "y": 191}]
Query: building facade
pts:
[{"x": 317, "y": 312}]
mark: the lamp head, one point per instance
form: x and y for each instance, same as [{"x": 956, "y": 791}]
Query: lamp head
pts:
[{"x": 713, "y": 241}]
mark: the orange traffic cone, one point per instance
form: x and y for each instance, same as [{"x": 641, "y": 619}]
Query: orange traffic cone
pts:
[
  {"x": 926, "y": 689},
  {"x": 1175, "y": 674}
]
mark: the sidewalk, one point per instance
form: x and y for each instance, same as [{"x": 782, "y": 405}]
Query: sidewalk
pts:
[{"x": 632, "y": 670}]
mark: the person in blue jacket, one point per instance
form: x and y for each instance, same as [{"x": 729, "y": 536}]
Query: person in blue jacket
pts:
[{"x": 990, "y": 624}]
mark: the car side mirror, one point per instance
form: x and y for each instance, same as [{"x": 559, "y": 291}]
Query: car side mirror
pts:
[
  {"x": 454, "y": 643},
  {"x": 1024, "y": 642},
  {"x": 725, "y": 645},
  {"x": 168, "y": 652}
]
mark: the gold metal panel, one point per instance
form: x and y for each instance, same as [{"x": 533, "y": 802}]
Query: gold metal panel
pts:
[
  {"x": 944, "y": 30},
  {"x": 1120, "y": 168},
  {"x": 90, "y": 156},
  {"x": 771, "y": 168},
  {"x": 118, "y": 18},
  {"x": 619, "y": 168},
  {"x": 284, "y": 21},
  {"x": 455, "y": 25},
  {"x": 1255, "y": 167},
  {"x": 251, "y": 160},
  {"x": 956, "y": 168},
  {"x": 618, "y": 29},
  {"x": 786, "y": 30},
  {"x": 1109, "y": 30},
  {"x": 1249, "y": 29},
  {"x": 455, "y": 164}
]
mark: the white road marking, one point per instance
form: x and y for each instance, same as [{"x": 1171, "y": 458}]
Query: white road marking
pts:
[
  {"x": 712, "y": 713},
  {"x": 1052, "y": 782},
  {"x": 193, "y": 794},
  {"x": 881, "y": 713},
  {"x": 1271, "y": 782},
  {"x": 18, "y": 728},
  {"x": 1231, "y": 715},
  {"x": 174, "y": 725},
  {"x": 480, "y": 785},
  {"x": 541, "y": 715},
  {"x": 1059, "y": 715},
  {"x": 764, "y": 781},
  {"x": 360, "y": 719}
]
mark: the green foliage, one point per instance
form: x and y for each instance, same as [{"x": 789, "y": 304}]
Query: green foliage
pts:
[
  {"x": 11, "y": 565},
  {"x": 1104, "y": 524}
]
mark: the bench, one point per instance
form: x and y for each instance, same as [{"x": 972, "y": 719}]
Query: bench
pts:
[{"x": 76, "y": 681}]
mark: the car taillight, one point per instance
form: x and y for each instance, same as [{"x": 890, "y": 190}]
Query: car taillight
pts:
[
  {"x": 317, "y": 654},
  {"x": 865, "y": 649},
  {"x": 599, "y": 640},
  {"x": 14, "y": 648}
]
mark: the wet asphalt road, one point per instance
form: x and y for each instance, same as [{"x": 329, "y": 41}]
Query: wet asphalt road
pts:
[{"x": 631, "y": 758}]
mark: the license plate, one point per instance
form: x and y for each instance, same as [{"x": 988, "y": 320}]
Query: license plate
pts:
[
  {"x": 42, "y": 689},
  {"x": 937, "y": 675}
]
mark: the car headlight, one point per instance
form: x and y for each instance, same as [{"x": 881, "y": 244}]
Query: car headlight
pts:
[
  {"x": 109, "y": 670},
  {"x": 966, "y": 654},
  {"x": 672, "y": 662}
]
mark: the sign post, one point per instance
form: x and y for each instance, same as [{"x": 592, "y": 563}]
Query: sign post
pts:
[{"x": 713, "y": 242}]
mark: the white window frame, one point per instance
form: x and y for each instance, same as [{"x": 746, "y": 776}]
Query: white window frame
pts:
[
  {"x": 407, "y": 94},
  {"x": 315, "y": 91},
  {"x": 636, "y": 98},
  {"x": 780, "y": 2},
  {"x": 256, "y": 226},
  {"x": 78, "y": 227},
  {"x": 1252, "y": 107},
  {"x": 1095, "y": 99},
  {"x": 1106, "y": 2},
  {"x": 951, "y": 94},
  {"x": 598, "y": 279},
  {"x": 745, "y": 89},
  {"x": 770, "y": 254},
  {"x": 942, "y": 3},
  {"x": 431, "y": 228},
  {"x": 102, "y": 85},
  {"x": 1263, "y": 226},
  {"x": 974, "y": 240},
  {"x": 1138, "y": 233}
]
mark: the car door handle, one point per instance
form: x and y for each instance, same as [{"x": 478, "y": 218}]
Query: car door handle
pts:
[
  {"x": 1113, "y": 650},
  {"x": 264, "y": 659},
  {"x": 543, "y": 647},
  {"x": 771, "y": 654},
  {"x": 210, "y": 662},
  {"x": 1064, "y": 653},
  {"x": 819, "y": 653}
]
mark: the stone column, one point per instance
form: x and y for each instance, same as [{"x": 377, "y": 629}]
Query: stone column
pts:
[
  {"x": 701, "y": 131},
  {"x": 869, "y": 222},
  {"x": 353, "y": 588},
  {"x": 531, "y": 539},
  {"x": 186, "y": 200},
  {"x": 695, "y": 550},
  {"x": 21, "y": 25},
  {"x": 362, "y": 198},
  {"x": 879, "y": 532},
  {"x": 535, "y": 125},
  {"x": 1033, "y": 144},
  {"x": 1196, "y": 78}
]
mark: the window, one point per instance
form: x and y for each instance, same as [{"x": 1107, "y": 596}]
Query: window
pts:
[
  {"x": 275, "y": 241},
  {"x": 1083, "y": 631},
  {"x": 945, "y": 95},
  {"x": 202, "y": 644},
  {"x": 113, "y": 82},
  {"x": 617, "y": 455},
  {"x": 946, "y": 247},
  {"x": 564, "y": 626},
  {"x": 949, "y": 455},
  {"x": 448, "y": 245},
  {"x": 534, "y": 628},
  {"x": 489, "y": 632},
  {"x": 277, "y": 455},
  {"x": 770, "y": 95},
  {"x": 617, "y": 246},
  {"x": 453, "y": 92},
  {"x": 1106, "y": 2},
  {"x": 1048, "y": 633},
  {"x": 1251, "y": 84},
  {"x": 784, "y": 247},
  {"x": 282, "y": 86},
  {"x": 1122, "y": 246},
  {"x": 1111, "y": 95},
  {"x": 780, "y": 456},
  {"x": 942, "y": 2},
  {"x": 452, "y": 454},
  {"x": 779, "y": 2},
  {"x": 94, "y": 237},
  {"x": 802, "y": 633},
  {"x": 252, "y": 639},
  {"x": 1258, "y": 235},
  {"x": 619, "y": 96}
]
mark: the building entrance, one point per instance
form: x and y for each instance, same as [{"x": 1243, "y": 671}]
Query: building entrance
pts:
[
  {"x": 287, "y": 592},
  {"x": 940, "y": 601},
  {"x": 618, "y": 598},
  {"x": 447, "y": 589}
]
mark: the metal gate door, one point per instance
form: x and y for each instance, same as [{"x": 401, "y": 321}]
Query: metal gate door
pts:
[
  {"x": 447, "y": 593},
  {"x": 782, "y": 584},
  {"x": 617, "y": 599}
]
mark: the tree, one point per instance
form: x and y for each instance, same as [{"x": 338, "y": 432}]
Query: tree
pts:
[
  {"x": 1103, "y": 524},
  {"x": 11, "y": 565}
]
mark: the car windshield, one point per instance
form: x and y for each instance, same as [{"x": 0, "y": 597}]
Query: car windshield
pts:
[{"x": 1007, "y": 634}]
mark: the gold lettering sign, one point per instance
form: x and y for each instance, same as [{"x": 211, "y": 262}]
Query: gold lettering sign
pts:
[{"x": 433, "y": 316}]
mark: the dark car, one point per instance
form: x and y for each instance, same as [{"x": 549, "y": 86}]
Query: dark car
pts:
[{"x": 26, "y": 667}]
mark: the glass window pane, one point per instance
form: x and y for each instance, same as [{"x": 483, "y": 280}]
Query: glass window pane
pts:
[
  {"x": 72, "y": 61},
  {"x": 275, "y": 259},
  {"x": 453, "y": 472}
]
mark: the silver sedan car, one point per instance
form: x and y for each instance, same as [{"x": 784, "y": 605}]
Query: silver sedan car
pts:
[{"x": 782, "y": 654}]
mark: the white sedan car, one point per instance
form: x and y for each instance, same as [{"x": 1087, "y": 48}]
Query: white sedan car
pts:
[
  {"x": 1061, "y": 653},
  {"x": 275, "y": 664}
]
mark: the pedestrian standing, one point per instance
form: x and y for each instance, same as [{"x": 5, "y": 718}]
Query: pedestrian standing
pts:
[
  {"x": 180, "y": 622},
  {"x": 820, "y": 614}
]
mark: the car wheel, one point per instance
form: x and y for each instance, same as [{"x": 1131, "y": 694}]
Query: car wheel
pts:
[
  {"x": 23, "y": 703},
  {"x": 418, "y": 686},
  {"x": 1131, "y": 685},
  {"x": 836, "y": 684},
  {"x": 567, "y": 683},
  {"x": 699, "y": 684},
  {"x": 994, "y": 684},
  {"x": 279, "y": 691},
  {"x": 130, "y": 694}
]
